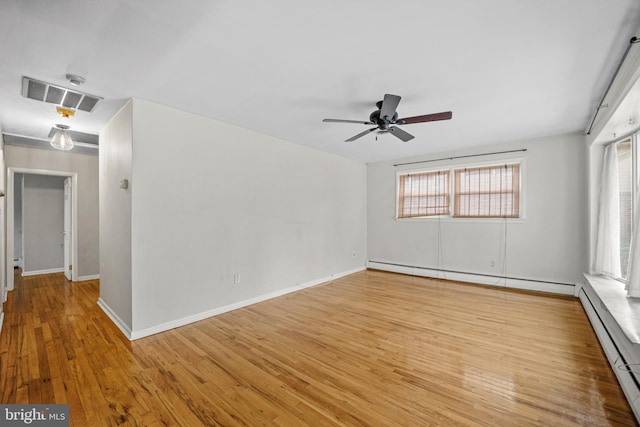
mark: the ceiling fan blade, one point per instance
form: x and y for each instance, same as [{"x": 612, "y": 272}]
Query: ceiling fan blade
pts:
[
  {"x": 360, "y": 122},
  {"x": 426, "y": 118},
  {"x": 397, "y": 132},
  {"x": 361, "y": 134},
  {"x": 389, "y": 105}
]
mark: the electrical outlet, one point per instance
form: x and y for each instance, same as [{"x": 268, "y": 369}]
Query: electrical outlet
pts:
[
  {"x": 353, "y": 254},
  {"x": 236, "y": 278}
]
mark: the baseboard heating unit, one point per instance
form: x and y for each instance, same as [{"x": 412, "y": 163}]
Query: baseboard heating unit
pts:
[
  {"x": 616, "y": 321},
  {"x": 477, "y": 278}
]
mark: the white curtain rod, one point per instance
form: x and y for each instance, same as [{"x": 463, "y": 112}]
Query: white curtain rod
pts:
[{"x": 633, "y": 41}]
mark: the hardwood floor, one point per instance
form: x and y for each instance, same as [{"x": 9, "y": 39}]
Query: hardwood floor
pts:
[{"x": 373, "y": 348}]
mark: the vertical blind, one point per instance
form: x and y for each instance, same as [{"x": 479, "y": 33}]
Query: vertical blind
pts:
[
  {"x": 423, "y": 194},
  {"x": 487, "y": 192}
]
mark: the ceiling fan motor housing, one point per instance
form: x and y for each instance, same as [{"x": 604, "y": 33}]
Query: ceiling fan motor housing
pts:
[{"x": 381, "y": 122}]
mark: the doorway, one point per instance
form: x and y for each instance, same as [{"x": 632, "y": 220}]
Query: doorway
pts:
[{"x": 70, "y": 234}]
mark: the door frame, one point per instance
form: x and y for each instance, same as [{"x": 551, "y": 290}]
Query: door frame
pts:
[
  {"x": 67, "y": 228},
  {"x": 11, "y": 171}
]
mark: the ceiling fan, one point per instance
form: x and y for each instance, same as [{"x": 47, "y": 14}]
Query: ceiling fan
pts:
[{"x": 386, "y": 120}]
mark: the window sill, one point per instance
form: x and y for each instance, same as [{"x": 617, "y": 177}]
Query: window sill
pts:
[
  {"x": 452, "y": 219},
  {"x": 613, "y": 298}
]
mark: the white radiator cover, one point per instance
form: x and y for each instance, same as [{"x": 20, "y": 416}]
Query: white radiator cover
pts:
[{"x": 623, "y": 354}]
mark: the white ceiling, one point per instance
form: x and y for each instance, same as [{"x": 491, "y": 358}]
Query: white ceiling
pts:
[{"x": 509, "y": 70}]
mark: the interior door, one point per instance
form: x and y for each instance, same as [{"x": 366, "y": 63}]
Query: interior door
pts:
[{"x": 68, "y": 268}]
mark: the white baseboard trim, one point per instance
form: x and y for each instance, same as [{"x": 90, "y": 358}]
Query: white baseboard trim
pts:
[
  {"x": 91, "y": 277},
  {"x": 482, "y": 279},
  {"x": 115, "y": 318},
  {"x": 37, "y": 272},
  {"x": 1, "y": 320},
  {"x": 234, "y": 306}
]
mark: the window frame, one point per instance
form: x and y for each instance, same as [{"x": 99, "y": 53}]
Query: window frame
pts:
[
  {"x": 444, "y": 172},
  {"x": 458, "y": 208},
  {"x": 451, "y": 168}
]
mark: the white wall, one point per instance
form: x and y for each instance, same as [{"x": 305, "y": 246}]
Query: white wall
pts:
[
  {"x": 222, "y": 216},
  {"x": 86, "y": 167},
  {"x": 548, "y": 245},
  {"x": 43, "y": 223},
  {"x": 115, "y": 219}
]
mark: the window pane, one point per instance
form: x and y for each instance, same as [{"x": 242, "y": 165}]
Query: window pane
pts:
[
  {"x": 487, "y": 192},
  {"x": 423, "y": 194}
]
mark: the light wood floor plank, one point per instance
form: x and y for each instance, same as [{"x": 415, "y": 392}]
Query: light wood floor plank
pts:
[{"x": 370, "y": 349}]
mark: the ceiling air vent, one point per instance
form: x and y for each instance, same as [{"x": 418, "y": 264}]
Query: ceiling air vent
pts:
[{"x": 46, "y": 92}]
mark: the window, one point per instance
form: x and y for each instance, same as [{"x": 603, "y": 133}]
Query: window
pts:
[
  {"x": 491, "y": 191},
  {"x": 487, "y": 192},
  {"x": 423, "y": 194}
]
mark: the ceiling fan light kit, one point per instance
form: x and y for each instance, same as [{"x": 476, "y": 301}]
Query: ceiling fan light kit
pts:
[{"x": 386, "y": 120}]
